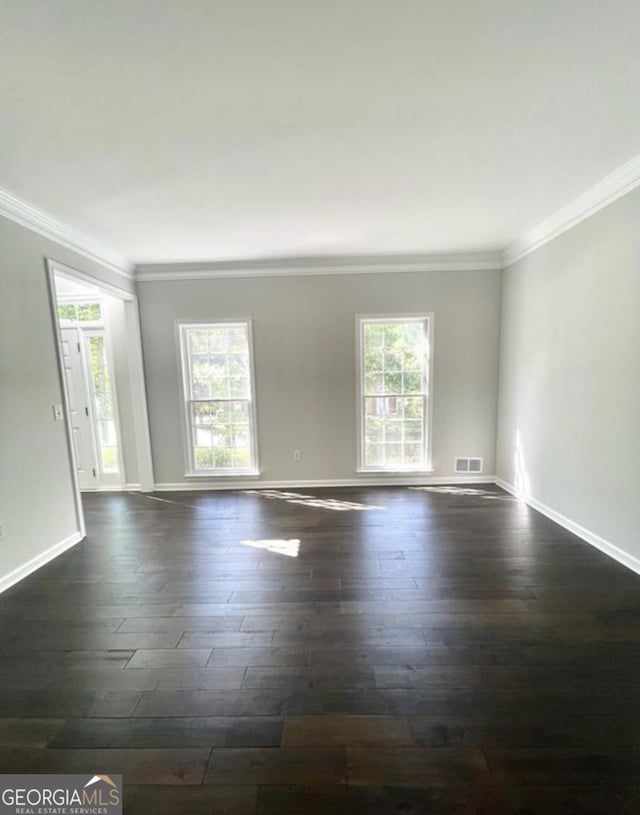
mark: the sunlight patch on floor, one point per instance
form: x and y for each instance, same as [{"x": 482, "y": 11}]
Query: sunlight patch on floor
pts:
[
  {"x": 336, "y": 504},
  {"x": 279, "y": 546},
  {"x": 469, "y": 491}
]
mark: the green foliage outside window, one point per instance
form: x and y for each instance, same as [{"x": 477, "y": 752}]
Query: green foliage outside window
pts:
[{"x": 80, "y": 312}]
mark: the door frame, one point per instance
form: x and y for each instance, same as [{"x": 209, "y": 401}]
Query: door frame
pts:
[
  {"x": 136, "y": 371},
  {"x": 83, "y": 333}
]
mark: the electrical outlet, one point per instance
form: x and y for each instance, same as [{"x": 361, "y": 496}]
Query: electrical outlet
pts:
[
  {"x": 297, "y": 455},
  {"x": 3, "y": 530},
  {"x": 58, "y": 415}
]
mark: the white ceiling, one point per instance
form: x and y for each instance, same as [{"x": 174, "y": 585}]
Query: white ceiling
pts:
[{"x": 228, "y": 129}]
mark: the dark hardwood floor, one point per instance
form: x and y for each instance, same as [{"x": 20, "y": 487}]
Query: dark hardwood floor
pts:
[{"x": 383, "y": 650}]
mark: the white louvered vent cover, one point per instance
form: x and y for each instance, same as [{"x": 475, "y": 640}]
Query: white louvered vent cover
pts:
[{"x": 468, "y": 465}]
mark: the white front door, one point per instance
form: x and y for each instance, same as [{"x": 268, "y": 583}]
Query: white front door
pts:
[{"x": 79, "y": 408}]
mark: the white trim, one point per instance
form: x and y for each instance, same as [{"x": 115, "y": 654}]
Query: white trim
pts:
[
  {"x": 605, "y": 192},
  {"x": 138, "y": 393},
  {"x": 476, "y": 262},
  {"x": 53, "y": 302},
  {"x": 22, "y": 212},
  {"x": 626, "y": 559},
  {"x": 199, "y": 474},
  {"x": 382, "y": 481},
  {"x": 91, "y": 281},
  {"x": 397, "y": 471},
  {"x": 129, "y": 487},
  {"x": 36, "y": 562},
  {"x": 504, "y": 485}
]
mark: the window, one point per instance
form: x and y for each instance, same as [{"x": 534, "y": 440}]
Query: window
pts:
[
  {"x": 218, "y": 391},
  {"x": 80, "y": 312},
  {"x": 103, "y": 404},
  {"x": 394, "y": 392}
]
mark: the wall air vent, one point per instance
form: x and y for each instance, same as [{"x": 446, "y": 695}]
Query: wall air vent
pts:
[{"x": 469, "y": 465}]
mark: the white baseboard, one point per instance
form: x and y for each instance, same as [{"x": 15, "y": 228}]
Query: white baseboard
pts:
[
  {"x": 626, "y": 559},
  {"x": 132, "y": 487},
  {"x": 383, "y": 481},
  {"x": 30, "y": 566}
]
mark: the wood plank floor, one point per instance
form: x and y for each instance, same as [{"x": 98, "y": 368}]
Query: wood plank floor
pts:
[{"x": 382, "y": 650}]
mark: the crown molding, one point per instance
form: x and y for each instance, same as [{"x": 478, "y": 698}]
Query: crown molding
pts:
[
  {"x": 483, "y": 261},
  {"x": 605, "y": 192},
  {"x": 23, "y": 213},
  {"x": 613, "y": 186}
]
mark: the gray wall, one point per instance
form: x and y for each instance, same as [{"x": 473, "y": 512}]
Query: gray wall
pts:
[
  {"x": 36, "y": 492},
  {"x": 304, "y": 344},
  {"x": 570, "y": 374}
]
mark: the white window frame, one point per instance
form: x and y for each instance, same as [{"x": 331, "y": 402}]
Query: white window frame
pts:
[
  {"x": 361, "y": 320},
  {"x": 182, "y": 327}
]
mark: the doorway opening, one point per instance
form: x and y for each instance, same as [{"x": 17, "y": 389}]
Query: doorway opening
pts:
[
  {"x": 100, "y": 364},
  {"x": 85, "y": 334}
]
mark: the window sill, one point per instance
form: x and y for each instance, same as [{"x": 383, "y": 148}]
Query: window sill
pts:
[
  {"x": 421, "y": 471},
  {"x": 225, "y": 474}
]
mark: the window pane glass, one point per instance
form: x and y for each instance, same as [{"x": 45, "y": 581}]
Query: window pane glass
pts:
[
  {"x": 373, "y": 360},
  {"x": 109, "y": 458},
  {"x": 393, "y": 383},
  {"x": 219, "y": 388},
  {"x": 414, "y": 407},
  {"x": 204, "y": 437},
  {"x": 239, "y": 387},
  {"x": 414, "y": 361},
  {"x": 238, "y": 365},
  {"x": 374, "y": 455},
  {"x": 222, "y": 428},
  {"x": 393, "y": 359},
  {"x": 223, "y": 458},
  {"x": 412, "y": 383},
  {"x": 203, "y": 458},
  {"x": 413, "y": 430},
  {"x": 374, "y": 430},
  {"x": 241, "y": 458},
  {"x": 80, "y": 312},
  {"x": 393, "y": 334},
  {"x": 103, "y": 406},
  {"x": 239, "y": 411},
  {"x": 393, "y": 407},
  {"x": 393, "y": 455},
  {"x": 198, "y": 342},
  {"x": 200, "y": 368},
  {"x": 373, "y": 336},
  {"x": 89, "y": 312},
  {"x": 413, "y": 454},
  {"x": 201, "y": 389},
  {"x": 373, "y": 383},
  {"x": 393, "y": 430},
  {"x": 67, "y": 311}
]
